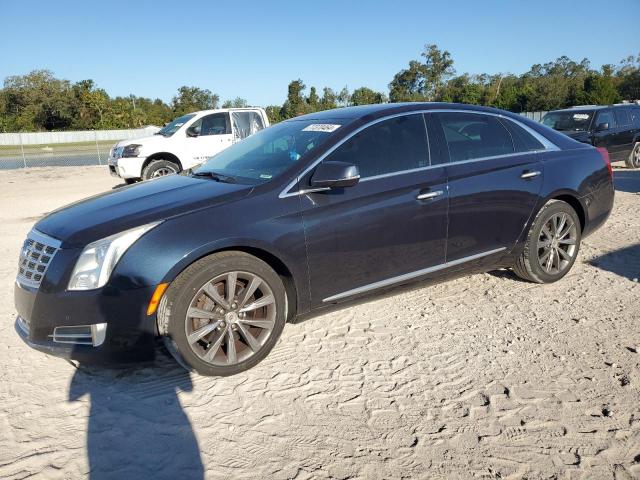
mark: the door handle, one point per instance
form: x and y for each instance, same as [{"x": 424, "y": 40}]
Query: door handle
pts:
[
  {"x": 526, "y": 175},
  {"x": 429, "y": 195}
]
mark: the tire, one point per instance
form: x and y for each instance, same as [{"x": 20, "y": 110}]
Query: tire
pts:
[
  {"x": 633, "y": 160},
  {"x": 159, "y": 168},
  {"x": 535, "y": 264},
  {"x": 203, "y": 344}
]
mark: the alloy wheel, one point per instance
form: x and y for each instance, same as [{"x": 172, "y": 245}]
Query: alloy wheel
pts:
[
  {"x": 557, "y": 243},
  {"x": 162, "y": 171},
  {"x": 230, "y": 318}
]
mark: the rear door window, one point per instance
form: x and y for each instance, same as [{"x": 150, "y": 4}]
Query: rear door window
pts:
[
  {"x": 623, "y": 118},
  {"x": 635, "y": 116},
  {"x": 395, "y": 145},
  {"x": 523, "y": 141},
  {"x": 472, "y": 136}
]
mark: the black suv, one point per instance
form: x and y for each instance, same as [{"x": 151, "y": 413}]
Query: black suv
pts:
[{"x": 614, "y": 127}]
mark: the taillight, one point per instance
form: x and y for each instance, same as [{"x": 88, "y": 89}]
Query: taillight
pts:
[{"x": 605, "y": 158}]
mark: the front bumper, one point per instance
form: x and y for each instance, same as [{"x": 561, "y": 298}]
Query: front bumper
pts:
[
  {"x": 130, "y": 334},
  {"x": 126, "y": 167}
]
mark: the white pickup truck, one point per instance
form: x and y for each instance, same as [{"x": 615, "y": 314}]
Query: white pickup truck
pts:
[{"x": 184, "y": 143}]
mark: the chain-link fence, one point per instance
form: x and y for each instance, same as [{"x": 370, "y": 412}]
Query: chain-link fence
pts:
[{"x": 47, "y": 149}]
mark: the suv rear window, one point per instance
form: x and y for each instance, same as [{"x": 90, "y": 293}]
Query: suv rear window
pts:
[{"x": 622, "y": 117}]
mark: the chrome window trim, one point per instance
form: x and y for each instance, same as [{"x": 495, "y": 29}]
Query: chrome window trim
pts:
[
  {"x": 548, "y": 144},
  {"x": 409, "y": 276}
]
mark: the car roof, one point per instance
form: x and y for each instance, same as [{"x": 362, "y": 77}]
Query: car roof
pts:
[
  {"x": 369, "y": 112},
  {"x": 594, "y": 107},
  {"x": 222, "y": 110}
]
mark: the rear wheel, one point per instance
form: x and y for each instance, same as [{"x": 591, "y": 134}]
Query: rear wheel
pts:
[
  {"x": 223, "y": 314},
  {"x": 633, "y": 161},
  {"x": 159, "y": 168},
  {"x": 552, "y": 244}
]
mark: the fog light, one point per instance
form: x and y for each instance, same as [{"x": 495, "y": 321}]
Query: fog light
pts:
[{"x": 81, "y": 334}]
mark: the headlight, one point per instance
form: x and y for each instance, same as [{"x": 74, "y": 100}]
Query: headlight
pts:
[
  {"x": 131, "y": 150},
  {"x": 99, "y": 258}
]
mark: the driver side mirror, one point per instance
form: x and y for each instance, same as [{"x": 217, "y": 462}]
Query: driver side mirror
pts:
[
  {"x": 335, "y": 175},
  {"x": 192, "y": 132},
  {"x": 602, "y": 126}
]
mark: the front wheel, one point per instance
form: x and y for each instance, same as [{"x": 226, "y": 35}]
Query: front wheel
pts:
[
  {"x": 633, "y": 161},
  {"x": 223, "y": 314},
  {"x": 159, "y": 168},
  {"x": 552, "y": 244}
]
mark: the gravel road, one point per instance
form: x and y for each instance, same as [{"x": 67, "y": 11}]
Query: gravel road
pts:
[{"x": 483, "y": 377}]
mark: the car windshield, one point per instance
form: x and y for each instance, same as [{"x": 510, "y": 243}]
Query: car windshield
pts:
[
  {"x": 269, "y": 152},
  {"x": 574, "y": 121},
  {"x": 173, "y": 126}
]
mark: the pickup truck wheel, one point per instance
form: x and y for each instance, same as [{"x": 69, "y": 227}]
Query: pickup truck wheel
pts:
[
  {"x": 634, "y": 157},
  {"x": 223, "y": 314},
  {"x": 552, "y": 244},
  {"x": 159, "y": 168}
]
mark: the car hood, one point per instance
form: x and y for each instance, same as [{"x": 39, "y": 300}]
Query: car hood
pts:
[
  {"x": 97, "y": 217},
  {"x": 152, "y": 142}
]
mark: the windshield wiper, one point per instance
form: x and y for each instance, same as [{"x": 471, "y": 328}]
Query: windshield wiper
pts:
[{"x": 218, "y": 177}]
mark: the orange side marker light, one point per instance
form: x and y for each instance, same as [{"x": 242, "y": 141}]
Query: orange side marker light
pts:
[{"x": 155, "y": 299}]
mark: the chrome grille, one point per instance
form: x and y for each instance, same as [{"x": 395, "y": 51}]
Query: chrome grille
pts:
[{"x": 37, "y": 252}]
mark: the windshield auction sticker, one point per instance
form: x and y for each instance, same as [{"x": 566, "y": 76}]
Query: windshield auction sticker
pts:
[
  {"x": 580, "y": 116},
  {"x": 321, "y": 127}
]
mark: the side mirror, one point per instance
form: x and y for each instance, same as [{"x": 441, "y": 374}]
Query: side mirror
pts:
[
  {"x": 192, "y": 132},
  {"x": 602, "y": 126},
  {"x": 335, "y": 175}
]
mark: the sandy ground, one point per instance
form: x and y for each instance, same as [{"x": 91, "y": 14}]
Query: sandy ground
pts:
[{"x": 482, "y": 377}]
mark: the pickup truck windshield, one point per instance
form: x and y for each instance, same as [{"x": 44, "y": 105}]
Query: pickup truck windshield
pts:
[
  {"x": 173, "y": 126},
  {"x": 269, "y": 152},
  {"x": 578, "y": 121}
]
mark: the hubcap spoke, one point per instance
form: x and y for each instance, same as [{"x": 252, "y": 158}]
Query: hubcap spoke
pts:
[
  {"x": 249, "y": 290},
  {"x": 545, "y": 255},
  {"x": 562, "y": 220},
  {"x": 261, "y": 302},
  {"x": 250, "y": 339},
  {"x": 567, "y": 241},
  {"x": 202, "y": 332},
  {"x": 231, "y": 347},
  {"x": 194, "y": 312},
  {"x": 564, "y": 254},
  {"x": 547, "y": 232},
  {"x": 214, "y": 347},
  {"x": 213, "y": 294},
  {"x": 258, "y": 322},
  {"x": 231, "y": 286}
]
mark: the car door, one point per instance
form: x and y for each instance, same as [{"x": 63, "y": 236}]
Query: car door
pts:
[
  {"x": 626, "y": 132},
  {"x": 207, "y": 136},
  {"x": 391, "y": 224},
  {"x": 493, "y": 186},
  {"x": 605, "y": 132}
]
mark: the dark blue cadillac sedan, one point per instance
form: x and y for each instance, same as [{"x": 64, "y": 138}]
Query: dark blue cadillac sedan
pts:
[{"x": 315, "y": 211}]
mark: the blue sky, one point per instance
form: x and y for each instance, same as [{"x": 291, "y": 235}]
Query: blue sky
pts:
[{"x": 252, "y": 49}]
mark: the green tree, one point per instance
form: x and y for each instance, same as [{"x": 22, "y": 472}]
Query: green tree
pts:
[
  {"x": 423, "y": 81},
  {"x": 191, "y": 99},
  {"x": 273, "y": 113},
  {"x": 329, "y": 99},
  {"x": 235, "y": 103},
  {"x": 295, "y": 105},
  {"x": 313, "y": 101},
  {"x": 366, "y": 96}
]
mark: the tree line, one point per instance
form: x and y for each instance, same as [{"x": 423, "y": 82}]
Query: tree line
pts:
[{"x": 38, "y": 101}]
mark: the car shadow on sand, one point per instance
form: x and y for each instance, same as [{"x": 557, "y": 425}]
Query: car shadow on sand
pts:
[
  {"x": 624, "y": 262},
  {"x": 137, "y": 427},
  {"x": 626, "y": 180}
]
